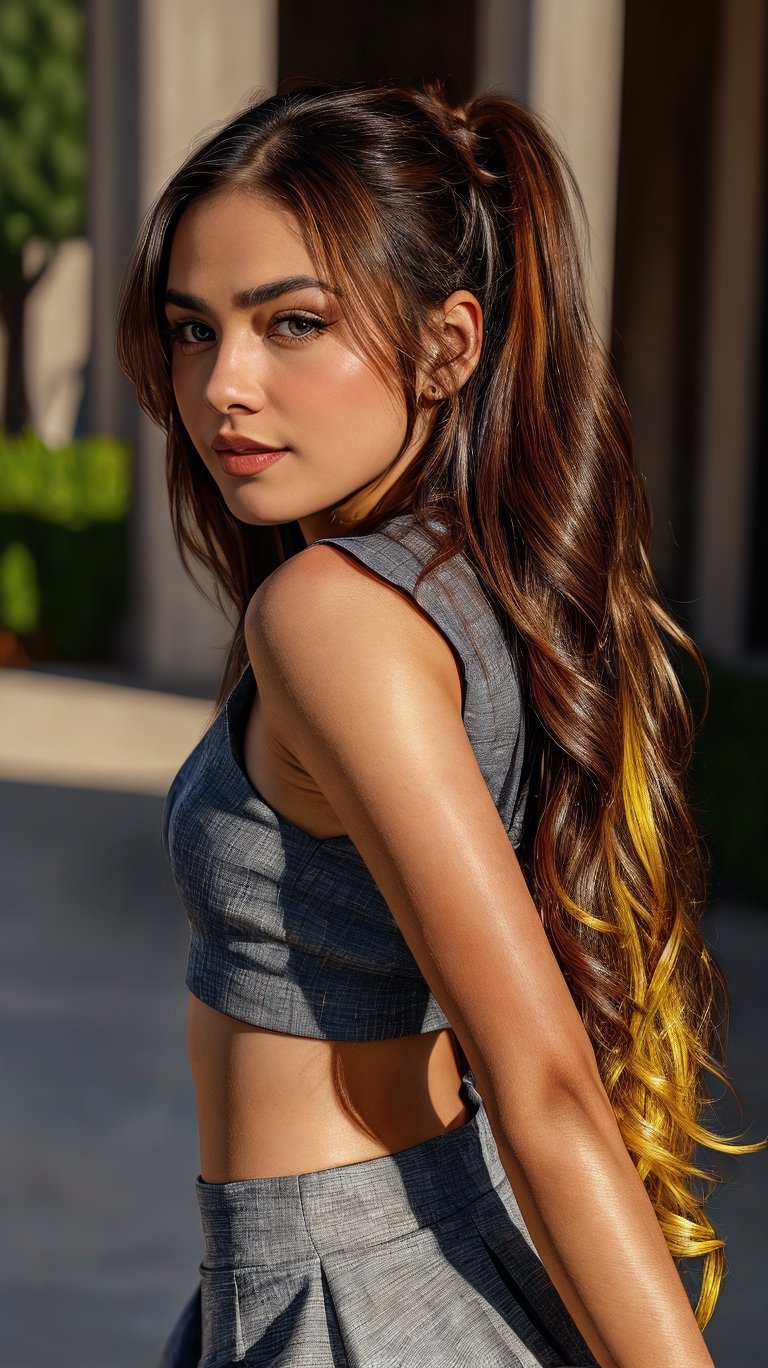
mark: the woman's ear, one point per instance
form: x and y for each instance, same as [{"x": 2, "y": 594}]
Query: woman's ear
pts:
[{"x": 460, "y": 321}]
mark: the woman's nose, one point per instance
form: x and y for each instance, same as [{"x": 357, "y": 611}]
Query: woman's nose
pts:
[{"x": 234, "y": 382}]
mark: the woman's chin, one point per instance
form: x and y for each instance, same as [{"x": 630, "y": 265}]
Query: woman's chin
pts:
[{"x": 259, "y": 514}]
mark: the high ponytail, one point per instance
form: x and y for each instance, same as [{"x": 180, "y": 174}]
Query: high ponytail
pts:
[{"x": 403, "y": 199}]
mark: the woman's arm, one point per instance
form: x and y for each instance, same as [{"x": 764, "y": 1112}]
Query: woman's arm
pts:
[{"x": 364, "y": 690}]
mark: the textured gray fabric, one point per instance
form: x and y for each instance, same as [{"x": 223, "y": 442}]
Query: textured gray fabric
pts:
[
  {"x": 289, "y": 932},
  {"x": 415, "y": 1260}
]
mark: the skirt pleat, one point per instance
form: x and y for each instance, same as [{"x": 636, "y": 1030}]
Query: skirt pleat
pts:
[
  {"x": 432, "y": 1298},
  {"x": 271, "y": 1316}
]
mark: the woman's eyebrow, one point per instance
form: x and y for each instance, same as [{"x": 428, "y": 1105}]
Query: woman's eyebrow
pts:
[{"x": 258, "y": 294}]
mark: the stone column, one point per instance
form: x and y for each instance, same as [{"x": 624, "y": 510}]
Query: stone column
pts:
[
  {"x": 162, "y": 74},
  {"x": 565, "y": 59},
  {"x": 575, "y": 80},
  {"x": 730, "y": 389}
]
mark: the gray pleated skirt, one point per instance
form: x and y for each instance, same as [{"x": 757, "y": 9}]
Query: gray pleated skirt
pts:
[{"x": 419, "y": 1259}]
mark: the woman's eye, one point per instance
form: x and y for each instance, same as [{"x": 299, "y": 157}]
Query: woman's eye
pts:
[
  {"x": 295, "y": 327},
  {"x": 192, "y": 332}
]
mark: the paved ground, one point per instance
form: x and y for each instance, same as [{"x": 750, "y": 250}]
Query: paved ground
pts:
[{"x": 100, "y": 1241}]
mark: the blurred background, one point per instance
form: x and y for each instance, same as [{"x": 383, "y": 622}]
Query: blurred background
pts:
[{"x": 109, "y": 658}]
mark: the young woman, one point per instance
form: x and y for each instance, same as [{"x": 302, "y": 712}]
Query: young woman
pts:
[{"x": 449, "y": 1006}]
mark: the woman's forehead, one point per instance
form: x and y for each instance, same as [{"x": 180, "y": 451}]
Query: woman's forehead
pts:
[{"x": 242, "y": 236}]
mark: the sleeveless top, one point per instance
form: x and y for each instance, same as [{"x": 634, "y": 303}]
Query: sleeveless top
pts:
[{"x": 290, "y": 932}]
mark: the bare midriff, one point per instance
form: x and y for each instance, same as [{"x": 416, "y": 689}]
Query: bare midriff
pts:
[{"x": 268, "y": 1103}]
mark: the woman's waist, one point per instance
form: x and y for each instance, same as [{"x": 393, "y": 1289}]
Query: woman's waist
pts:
[
  {"x": 271, "y": 1103},
  {"x": 266, "y": 1220}
]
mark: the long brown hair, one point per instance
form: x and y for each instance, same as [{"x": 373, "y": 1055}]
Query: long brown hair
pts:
[{"x": 403, "y": 199}]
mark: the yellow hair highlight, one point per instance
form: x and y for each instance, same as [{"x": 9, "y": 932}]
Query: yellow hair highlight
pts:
[
  {"x": 661, "y": 1075},
  {"x": 638, "y": 807},
  {"x": 654, "y": 1081}
]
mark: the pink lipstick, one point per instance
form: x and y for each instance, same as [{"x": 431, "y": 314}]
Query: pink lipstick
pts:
[
  {"x": 240, "y": 455},
  {"x": 247, "y": 462}
]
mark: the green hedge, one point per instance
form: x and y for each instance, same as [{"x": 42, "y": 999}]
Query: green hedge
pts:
[
  {"x": 64, "y": 544},
  {"x": 87, "y": 481}
]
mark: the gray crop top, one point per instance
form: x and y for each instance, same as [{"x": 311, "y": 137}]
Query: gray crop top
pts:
[{"x": 290, "y": 932}]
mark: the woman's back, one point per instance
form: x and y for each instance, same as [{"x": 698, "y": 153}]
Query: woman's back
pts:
[{"x": 266, "y": 1080}]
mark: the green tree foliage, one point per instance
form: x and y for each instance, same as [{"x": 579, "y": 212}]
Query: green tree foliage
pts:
[{"x": 42, "y": 159}]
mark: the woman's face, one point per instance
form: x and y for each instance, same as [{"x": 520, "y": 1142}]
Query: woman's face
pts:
[{"x": 264, "y": 362}]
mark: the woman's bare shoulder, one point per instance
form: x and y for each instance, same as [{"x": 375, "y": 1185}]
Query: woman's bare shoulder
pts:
[{"x": 324, "y": 599}]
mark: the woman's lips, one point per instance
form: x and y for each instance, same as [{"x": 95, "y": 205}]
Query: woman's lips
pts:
[{"x": 247, "y": 462}]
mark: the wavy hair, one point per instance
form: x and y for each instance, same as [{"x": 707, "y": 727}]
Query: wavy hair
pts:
[{"x": 403, "y": 199}]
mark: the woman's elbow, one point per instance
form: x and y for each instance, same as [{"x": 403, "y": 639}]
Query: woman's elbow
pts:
[{"x": 556, "y": 1092}]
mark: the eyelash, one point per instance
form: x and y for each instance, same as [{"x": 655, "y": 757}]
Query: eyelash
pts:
[{"x": 175, "y": 330}]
